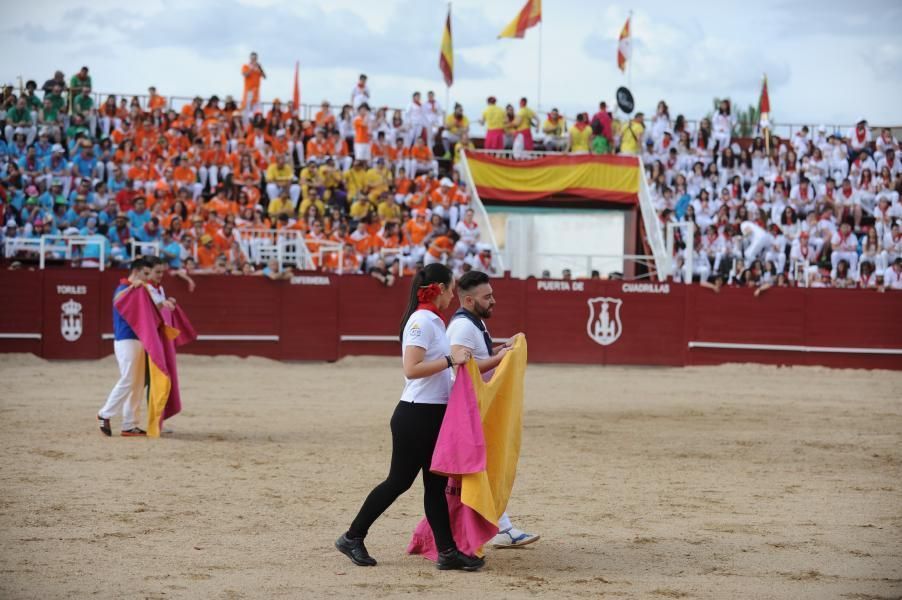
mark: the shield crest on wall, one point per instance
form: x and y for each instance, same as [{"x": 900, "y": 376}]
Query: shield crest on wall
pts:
[
  {"x": 71, "y": 320},
  {"x": 604, "y": 326}
]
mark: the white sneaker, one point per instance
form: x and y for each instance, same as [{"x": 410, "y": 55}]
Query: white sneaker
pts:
[{"x": 513, "y": 538}]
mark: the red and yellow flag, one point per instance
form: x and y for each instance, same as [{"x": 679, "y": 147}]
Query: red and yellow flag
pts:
[
  {"x": 623, "y": 46},
  {"x": 446, "y": 56},
  {"x": 764, "y": 101},
  {"x": 529, "y": 16}
]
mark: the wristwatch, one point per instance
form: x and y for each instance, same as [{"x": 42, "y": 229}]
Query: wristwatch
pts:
[{"x": 450, "y": 362}]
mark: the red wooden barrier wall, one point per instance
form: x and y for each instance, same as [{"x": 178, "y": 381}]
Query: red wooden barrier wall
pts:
[{"x": 322, "y": 317}]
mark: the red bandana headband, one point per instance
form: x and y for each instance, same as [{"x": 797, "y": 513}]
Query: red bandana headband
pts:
[{"x": 427, "y": 295}]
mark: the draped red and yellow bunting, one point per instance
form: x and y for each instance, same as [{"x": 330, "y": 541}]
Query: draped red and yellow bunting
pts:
[{"x": 582, "y": 177}]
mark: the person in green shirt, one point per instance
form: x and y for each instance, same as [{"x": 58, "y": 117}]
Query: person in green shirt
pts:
[
  {"x": 31, "y": 100},
  {"x": 55, "y": 95},
  {"x": 80, "y": 81},
  {"x": 49, "y": 119},
  {"x": 599, "y": 143},
  {"x": 20, "y": 122},
  {"x": 83, "y": 106}
]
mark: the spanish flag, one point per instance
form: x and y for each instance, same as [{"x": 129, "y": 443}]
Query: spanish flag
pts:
[
  {"x": 160, "y": 331},
  {"x": 446, "y": 56},
  {"x": 478, "y": 448},
  {"x": 623, "y": 46},
  {"x": 530, "y": 15}
]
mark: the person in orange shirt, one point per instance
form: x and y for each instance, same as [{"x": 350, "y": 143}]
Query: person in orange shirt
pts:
[
  {"x": 253, "y": 73},
  {"x": 362, "y": 137},
  {"x": 324, "y": 119},
  {"x": 421, "y": 159},
  {"x": 184, "y": 176},
  {"x": 337, "y": 148},
  {"x": 189, "y": 110},
  {"x": 361, "y": 240},
  {"x": 316, "y": 147},
  {"x": 314, "y": 240},
  {"x": 445, "y": 202},
  {"x": 219, "y": 205},
  {"x": 206, "y": 252},
  {"x": 440, "y": 249},
  {"x": 416, "y": 230},
  {"x": 154, "y": 100}
]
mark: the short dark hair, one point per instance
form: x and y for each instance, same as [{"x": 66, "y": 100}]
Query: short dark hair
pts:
[
  {"x": 153, "y": 261},
  {"x": 471, "y": 279},
  {"x": 138, "y": 264}
]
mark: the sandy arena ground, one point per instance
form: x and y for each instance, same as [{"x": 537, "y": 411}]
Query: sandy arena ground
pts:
[{"x": 729, "y": 482}]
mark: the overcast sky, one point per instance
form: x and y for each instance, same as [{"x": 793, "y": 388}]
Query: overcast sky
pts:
[{"x": 827, "y": 61}]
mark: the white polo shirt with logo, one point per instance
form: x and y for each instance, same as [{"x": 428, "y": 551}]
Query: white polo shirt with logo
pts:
[{"x": 426, "y": 330}]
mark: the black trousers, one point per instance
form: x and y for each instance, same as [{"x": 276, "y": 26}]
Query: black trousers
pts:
[{"x": 414, "y": 430}]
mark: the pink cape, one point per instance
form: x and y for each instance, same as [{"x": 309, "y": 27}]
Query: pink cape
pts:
[
  {"x": 459, "y": 450},
  {"x": 153, "y": 327}
]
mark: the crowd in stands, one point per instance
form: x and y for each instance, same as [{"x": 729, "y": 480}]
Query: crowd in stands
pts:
[
  {"x": 358, "y": 190},
  {"x": 820, "y": 209},
  {"x": 372, "y": 190}
]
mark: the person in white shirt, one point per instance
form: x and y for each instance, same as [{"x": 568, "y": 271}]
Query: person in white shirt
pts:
[
  {"x": 417, "y": 120},
  {"x": 722, "y": 125},
  {"x": 155, "y": 282},
  {"x": 360, "y": 93},
  {"x": 427, "y": 360},
  {"x": 892, "y": 277},
  {"x": 435, "y": 116},
  {"x": 483, "y": 260},
  {"x": 467, "y": 331},
  {"x": 468, "y": 230},
  {"x": 845, "y": 247},
  {"x": 756, "y": 240},
  {"x": 859, "y": 138}
]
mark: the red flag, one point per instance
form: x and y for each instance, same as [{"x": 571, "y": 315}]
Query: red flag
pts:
[
  {"x": 764, "y": 101},
  {"x": 296, "y": 96}
]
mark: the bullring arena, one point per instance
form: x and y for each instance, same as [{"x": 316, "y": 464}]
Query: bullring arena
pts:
[
  {"x": 735, "y": 481},
  {"x": 692, "y": 387}
]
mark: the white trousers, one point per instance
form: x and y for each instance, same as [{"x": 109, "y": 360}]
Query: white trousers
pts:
[
  {"x": 127, "y": 394},
  {"x": 504, "y": 522}
]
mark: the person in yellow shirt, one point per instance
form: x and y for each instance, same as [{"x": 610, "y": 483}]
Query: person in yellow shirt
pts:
[
  {"x": 555, "y": 130},
  {"x": 456, "y": 124},
  {"x": 378, "y": 178},
  {"x": 494, "y": 119},
  {"x": 631, "y": 135},
  {"x": 388, "y": 209},
  {"x": 312, "y": 200},
  {"x": 281, "y": 204},
  {"x": 280, "y": 173},
  {"x": 525, "y": 120},
  {"x": 355, "y": 179},
  {"x": 580, "y": 135},
  {"x": 360, "y": 208}
]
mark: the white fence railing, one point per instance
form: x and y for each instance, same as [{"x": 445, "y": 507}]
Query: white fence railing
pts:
[{"x": 60, "y": 247}]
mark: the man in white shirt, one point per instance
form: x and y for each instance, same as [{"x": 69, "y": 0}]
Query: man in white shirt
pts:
[
  {"x": 892, "y": 277},
  {"x": 435, "y": 116},
  {"x": 467, "y": 331},
  {"x": 360, "y": 93},
  {"x": 468, "y": 230},
  {"x": 417, "y": 120},
  {"x": 845, "y": 247}
]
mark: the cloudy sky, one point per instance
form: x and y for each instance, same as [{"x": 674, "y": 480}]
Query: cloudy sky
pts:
[{"x": 826, "y": 62}]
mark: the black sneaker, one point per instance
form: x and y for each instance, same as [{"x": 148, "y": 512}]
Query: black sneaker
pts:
[
  {"x": 355, "y": 550},
  {"x": 455, "y": 560},
  {"x": 105, "y": 428}
]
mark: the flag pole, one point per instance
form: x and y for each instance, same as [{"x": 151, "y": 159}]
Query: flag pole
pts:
[
  {"x": 539, "y": 92},
  {"x": 448, "y": 87},
  {"x": 629, "y": 66}
]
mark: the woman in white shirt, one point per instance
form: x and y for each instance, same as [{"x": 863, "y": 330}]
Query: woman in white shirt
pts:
[{"x": 427, "y": 360}]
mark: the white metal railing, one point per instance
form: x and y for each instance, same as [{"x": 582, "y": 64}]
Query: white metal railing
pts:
[
  {"x": 65, "y": 247},
  {"x": 286, "y": 246},
  {"x": 603, "y": 263},
  {"x": 688, "y": 235},
  {"x": 329, "y": 248},
  {"x": 143, "y": 247}
]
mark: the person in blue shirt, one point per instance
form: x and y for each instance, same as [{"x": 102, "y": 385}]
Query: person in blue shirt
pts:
[
  {"x": 171, "y": 251},
  {"x": 91, "y": 250},
  {"x": 150, "y": 232},
  {"x": 139, "y": 216},
  {"x": 127, "y": 395}
]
